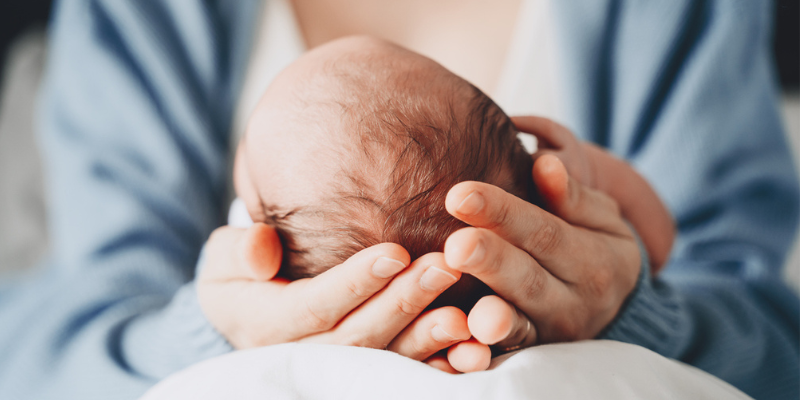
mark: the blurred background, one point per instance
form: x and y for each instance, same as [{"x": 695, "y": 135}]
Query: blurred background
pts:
[{"x": 23, "y": 53}]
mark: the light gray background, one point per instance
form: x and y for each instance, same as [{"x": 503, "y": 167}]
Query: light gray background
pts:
[
  {"x": 23, "y": 233},
  {"x": 23, "y": 236}
]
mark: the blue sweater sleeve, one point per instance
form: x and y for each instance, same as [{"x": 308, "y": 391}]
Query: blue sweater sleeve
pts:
[
  {"x": 134, "y": 127},
  {"x": 688, "y": 96}
]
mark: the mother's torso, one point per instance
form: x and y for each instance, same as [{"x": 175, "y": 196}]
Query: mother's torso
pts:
[
  {"x": 470, "y": 38},
  {"x": 504, "y": 47}
]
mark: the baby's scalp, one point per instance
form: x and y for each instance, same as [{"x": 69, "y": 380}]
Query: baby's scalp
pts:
[{"x": 391, "y": 132}]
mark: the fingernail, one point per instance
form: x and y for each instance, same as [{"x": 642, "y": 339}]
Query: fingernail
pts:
[
  {"x": 436, "y": 279},
  {"x": 385, "y": 267},
  {"x": 471, "y": 204},
  {"x": 478, "y": 253},
  {"x": 441, "y": 335}
]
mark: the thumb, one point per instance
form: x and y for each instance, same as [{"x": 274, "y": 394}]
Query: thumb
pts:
[
  {"x": 572, "y": 201},
  {"x": 261, "y": 250},
  {"x": 253, "y": 253}
]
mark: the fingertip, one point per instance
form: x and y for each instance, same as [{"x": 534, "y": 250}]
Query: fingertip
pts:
[
  {"x": 451, "y": 325},
  {"x": 469, "y": 356},
  {"x": 262, "y": 251},
  {"x": 550, "y": 167},
  {"x": 460, "y": 246},
  {"x": 437, "y": 276},
  {"x": 551, "y": 178},
  {"x": 456, "y": 195},
  {"x": 491, "y": 320},
  {"x": 383, "y": 259},
  {"x": 393, "y": 251}
]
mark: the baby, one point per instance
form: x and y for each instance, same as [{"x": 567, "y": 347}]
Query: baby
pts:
[{"x": 358, "y": 142}]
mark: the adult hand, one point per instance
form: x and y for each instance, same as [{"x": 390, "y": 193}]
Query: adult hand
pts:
[
  {"x": 374, "y": 299},
  {"x": 559, "y": 277},
  {"x": 597, "y": 169}
]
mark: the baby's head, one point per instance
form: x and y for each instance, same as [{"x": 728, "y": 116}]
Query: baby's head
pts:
[{"x": 358, "y": 142}]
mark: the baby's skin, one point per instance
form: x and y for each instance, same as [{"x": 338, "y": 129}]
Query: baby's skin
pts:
[{"x": 359, "y": 140}]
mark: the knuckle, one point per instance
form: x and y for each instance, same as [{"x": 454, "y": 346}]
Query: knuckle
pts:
[
  {"x": 598, "y": 282},
  {"x": 492, "y": 259},
  {"x": 406, "y": 307},
  {"x": 501, "y": 216},
  {"x": 504, "y": 213},
  {"x": 415, "y": 348},
  {"x": 534, "y": 284},
  {"x": 545, "y": 240},
  {"x": 356, "y": 291},
  {"x": 313, "y": 319}
]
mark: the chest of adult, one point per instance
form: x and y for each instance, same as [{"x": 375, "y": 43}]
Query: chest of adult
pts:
[{"x": 470, "y": 38}]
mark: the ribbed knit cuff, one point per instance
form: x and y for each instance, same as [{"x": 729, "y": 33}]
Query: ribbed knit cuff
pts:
[
  {"x": 173, "y": 338},
  {"x": 652, "y": 316}
]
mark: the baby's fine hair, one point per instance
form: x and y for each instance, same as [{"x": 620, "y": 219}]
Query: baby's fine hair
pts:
[{"x": 411, "y": 134}]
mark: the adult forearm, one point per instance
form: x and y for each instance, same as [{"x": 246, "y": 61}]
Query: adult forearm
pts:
[
  {"x": 90, "y": 337},
  {"x": 172, "y": 337}
]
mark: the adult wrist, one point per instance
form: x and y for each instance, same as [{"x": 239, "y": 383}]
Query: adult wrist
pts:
[{"x": 651, "y": 316}]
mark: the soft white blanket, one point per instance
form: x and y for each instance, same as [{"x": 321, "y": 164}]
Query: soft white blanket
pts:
[{"x": 583, "y": 370}]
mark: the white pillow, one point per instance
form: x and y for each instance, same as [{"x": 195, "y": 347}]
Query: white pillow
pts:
[{"x": 583, "y": 370}]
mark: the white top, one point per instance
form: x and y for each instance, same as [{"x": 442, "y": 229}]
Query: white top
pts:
[
  {"x": 528, "y": 82},
  {"x": 278, "y": 42}
]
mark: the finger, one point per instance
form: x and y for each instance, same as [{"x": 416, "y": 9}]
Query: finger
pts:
[
  {"x": 431, "y": 332},
  {"x": 381, "y": 318},
  {"x": 262, "y": 251},
  {"x": 494, "y": 321},
  {"x": 508, "y": 270},
  {"x": 440, "y": 362},
  {"x": 330, "y": 296},
  {"x": 576, "y": 165},
  {"x": 547, "y": 238},
  {"x": 549, "y": 133},
  {"x": 469, "y": 356},
  {"x": 523, "y": 224},
  {"x": 573, "y": 202},
  {"x": 305, "y": 306},
  {"x": 250, "y": 254}
]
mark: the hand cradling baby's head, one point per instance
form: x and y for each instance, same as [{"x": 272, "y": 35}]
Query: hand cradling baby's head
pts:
[{"x": 358, "y": 142}]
